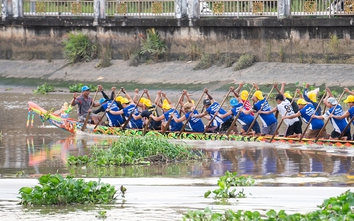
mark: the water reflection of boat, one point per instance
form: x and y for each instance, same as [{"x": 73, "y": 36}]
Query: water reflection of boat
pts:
[{"x": 72, "y": 126}]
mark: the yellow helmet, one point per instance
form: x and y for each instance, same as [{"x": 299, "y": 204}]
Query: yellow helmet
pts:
[
  {"x": 258, "y": 95},
  {"x": 312, "y": 96},
  {"x": 142, "y": 100},
  {"x": 124, "y": 101},
  {"x": 350, "y": 99},
  {"x": 147, "y": 103},
  {"x": 287, "y": 95},
  {"x": 301, "y": 101},
  {"x": 166, "y": 105},
  {"x": 244, "y": 95},
  {"x": 119, "y": 98}
]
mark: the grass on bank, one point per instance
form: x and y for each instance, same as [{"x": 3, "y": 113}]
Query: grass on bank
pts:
[{"x": 136, "y": 150}]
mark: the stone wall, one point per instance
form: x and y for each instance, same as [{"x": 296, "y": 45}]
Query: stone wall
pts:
[{"x": 269, "y": 39}]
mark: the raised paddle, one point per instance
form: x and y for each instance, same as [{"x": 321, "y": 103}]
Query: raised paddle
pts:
[
  {"x": 255, "y": 117},
  {"x": 308, "y": 123},
  {"x": 216, "y": 112},
  {"x": 324, "y": 126},
  {"x": 131, "y": 114},
  {"x": 170, "y": 117},
  {"x": 89, "y": 113},
  {"x": 104, "y": 114},
  {"x": 189, "y": 117},
  {"x": 238, "y": 114},
  {"x": 287, "y": 110}
]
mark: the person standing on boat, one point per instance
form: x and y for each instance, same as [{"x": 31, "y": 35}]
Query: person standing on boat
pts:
[
  {"x": 194, "y": 124},
  {"x": 244, "y": 118},
  {"x": 211, "y": 106},
  {"x": 335, "y": 109},
  {"x": 149, "y": 109},
  {"x": 244, "y": 96},
  {"x": 84, "y": 102},
  {"x": 306, "y": 110},
  {"x": 284, "y": 107},
  {"x": 312, "y": 98},
  {"x": 269, "y": 122},
  {"x": 129, "y": 108},
  {"x": 168, "y": 110},
  {"x": 350, "y": 112}
]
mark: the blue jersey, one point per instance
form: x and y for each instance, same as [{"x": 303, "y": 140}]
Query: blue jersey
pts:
[
  {"x": 212, "y": 110},
  {"x": 315, "y": 104},
  {"x": 267, "y": 119},
  {"x": 338, "y": 124},
  {"x": 243, "y": 119},
  {"x": 136, "y": 124},
  {"x": 113, "y": 120},
  {"x": 173, "y": 125},
  {"x": 196, "y": 124},
  {"x": 351, "y": 113},
  {"x": 306, "y": 112}
]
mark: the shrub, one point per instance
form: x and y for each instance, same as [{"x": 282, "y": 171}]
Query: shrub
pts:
[
  {"x": 244, "y": 61},
  {"x": 205, "y": 62},
  {"x": 43, "y": 89},
  {"x": 77, "y": 87},
  {"x": 153, "y": 44},
  {"x": 56, "y": 190},
  {"x": 78, "y": 48}
]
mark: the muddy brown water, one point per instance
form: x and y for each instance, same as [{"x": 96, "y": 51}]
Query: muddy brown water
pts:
[{"x": 26, "y": 153}]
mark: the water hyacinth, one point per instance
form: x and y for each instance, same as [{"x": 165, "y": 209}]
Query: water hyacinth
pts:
[
  {"x": 56, "y": 190},
  {"x": 136, "y": 150}
]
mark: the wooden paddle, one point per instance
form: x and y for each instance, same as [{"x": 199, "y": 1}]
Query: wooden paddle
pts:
[
  {"x": 131, "y": 114},
  {"x": 308, "y": 123},
  {"x": 216, "y": 112},
  {"x": 238, "y": 114},
  {"x": 255, "y": 117},
  {"x": 170, "y": 118},
  {"x": 271, "y": 139},
  {"x": 346, "y": 128},
  {"x": 189, "y": 117},
  {"x": 89, "y": 113},
  {"x": 318, "y": 135},
  {"x": 104, "y": 114}
]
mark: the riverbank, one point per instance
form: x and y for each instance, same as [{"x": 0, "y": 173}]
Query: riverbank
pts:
[{"x": 171, "y": 75}]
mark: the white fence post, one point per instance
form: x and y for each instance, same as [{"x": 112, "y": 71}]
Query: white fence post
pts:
[
  {"x": 4, "y": 9},
  {"x": 283, "y": 9},
  {"x": 179, "y": 8},
  {"x": 96, "y": 11},
  {"x": 102, "y": 9},
  {"x": 193, "y": 9}
]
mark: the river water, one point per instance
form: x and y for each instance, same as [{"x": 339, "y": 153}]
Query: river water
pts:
[{"x": 28, "y": 152}]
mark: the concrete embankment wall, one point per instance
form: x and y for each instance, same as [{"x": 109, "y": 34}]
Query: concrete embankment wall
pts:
[{"x": 304, "y": 40}]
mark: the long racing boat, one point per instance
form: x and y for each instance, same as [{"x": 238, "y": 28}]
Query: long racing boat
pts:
[{"x": 73, "y": 126}]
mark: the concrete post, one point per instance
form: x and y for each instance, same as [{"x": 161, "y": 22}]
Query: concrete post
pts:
[
  {"x": 4, "y": 9},
  {"x": 193, "y": 9},
  {"x": 283, "y": 9},
  {"x": 178, "y": 8},
  {"x": 96, "y": 11},
  {"x": 15, "y": 9},
  {"x": 102, "y": 9}
]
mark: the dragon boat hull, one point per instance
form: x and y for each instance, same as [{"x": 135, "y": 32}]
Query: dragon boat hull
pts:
[{"x": 73, "y": 126}]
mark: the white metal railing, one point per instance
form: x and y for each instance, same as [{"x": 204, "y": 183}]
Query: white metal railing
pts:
[
  {"x": 140, "y": 8},
  {"x": 238, "y": 8},
  {"x": 58, "y": 8},
  {"x": 321, "y": 7},
  {"x": 167, "y": 8}
]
